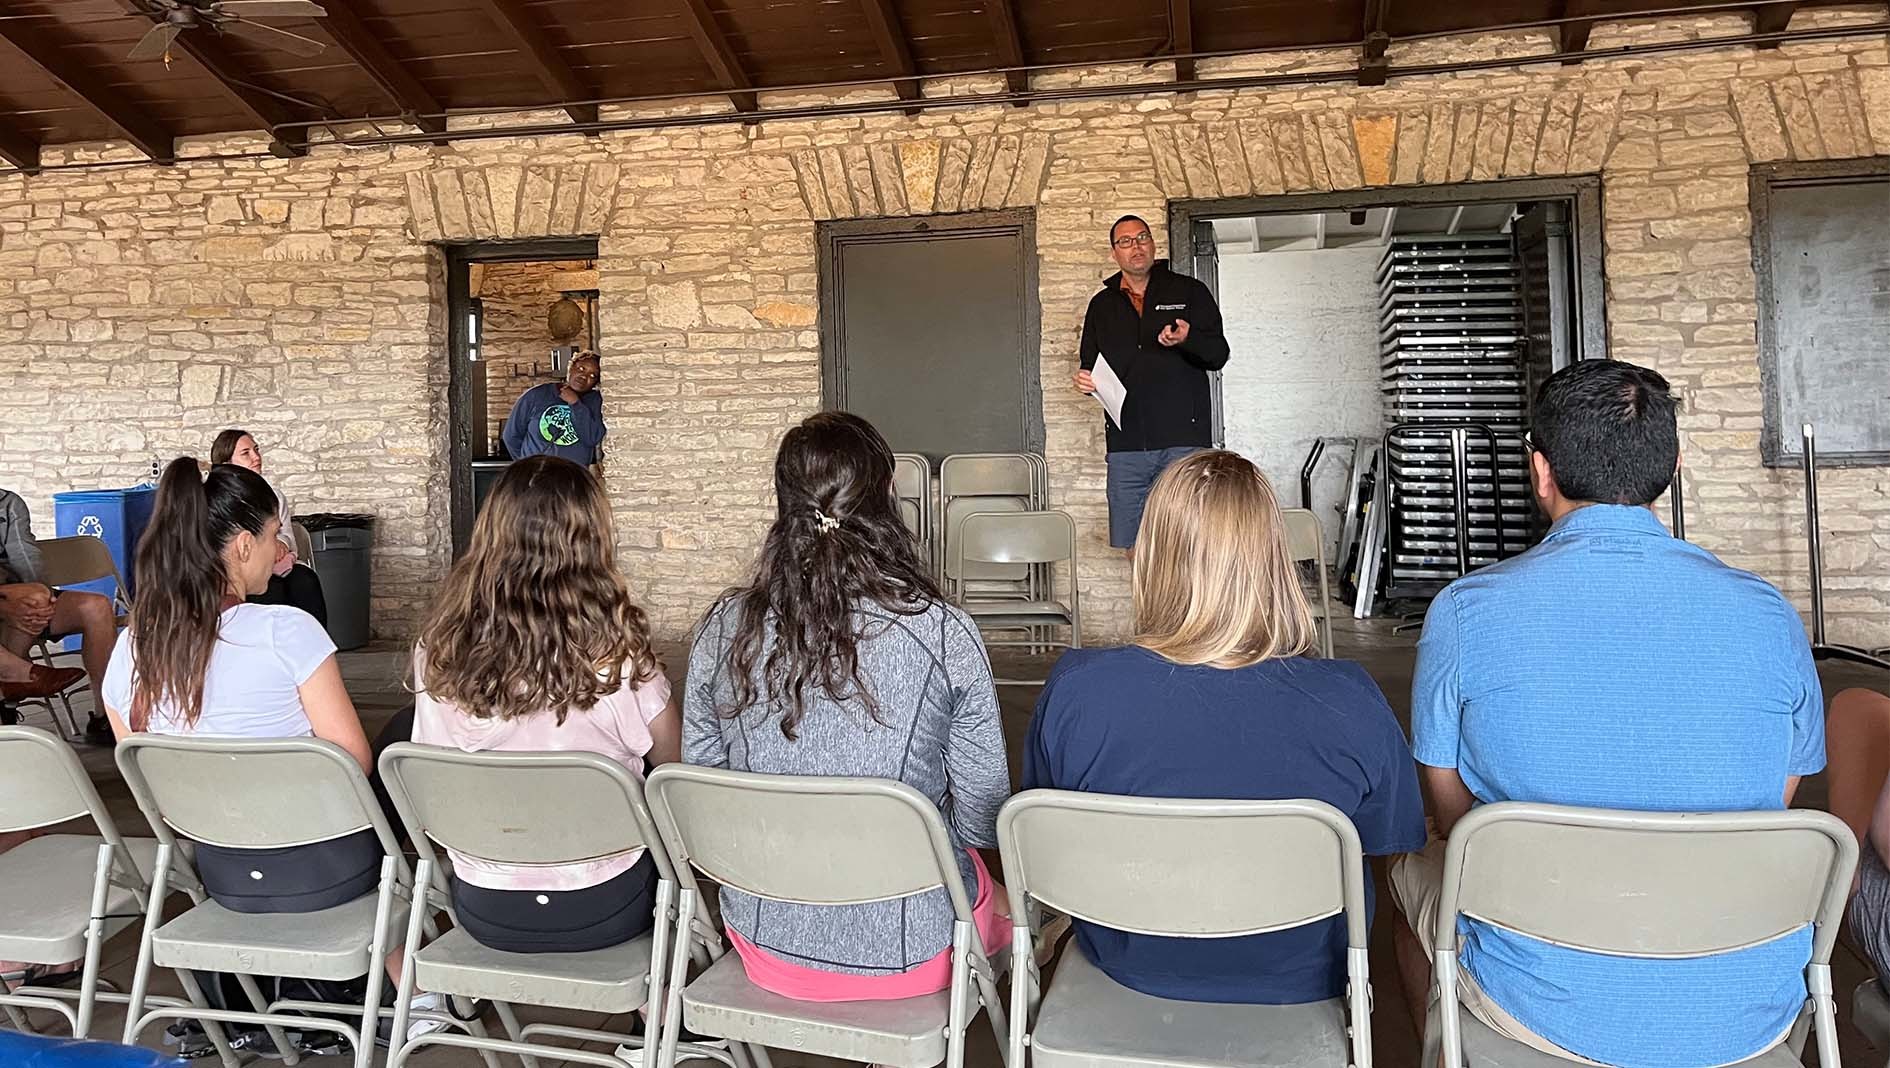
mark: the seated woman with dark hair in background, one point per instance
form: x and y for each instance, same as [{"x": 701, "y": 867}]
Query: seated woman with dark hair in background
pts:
[
  {"x": 533, "y": 645},
  {"x": 840, "y": 657},
  {"x": 291, "y": 581},
  {"x": 1217, "y": 699}
]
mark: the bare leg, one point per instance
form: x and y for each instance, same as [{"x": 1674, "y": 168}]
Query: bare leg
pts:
[
  {"x": 1857, "y": 755},
  {"x": 1414, "y": 969},
  {"x": 90, "y": 616}
]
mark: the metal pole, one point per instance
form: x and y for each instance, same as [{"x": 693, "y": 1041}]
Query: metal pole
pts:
[
  {"x": 1811, "y": 536},
  {"x": 1460, "y": 474}
]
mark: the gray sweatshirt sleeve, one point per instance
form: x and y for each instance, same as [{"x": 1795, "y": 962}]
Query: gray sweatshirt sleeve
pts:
[
  {"x": 19, "y": 553},
  {"x": 977, "y": 771},
  {"x": 703, "y": 743}
]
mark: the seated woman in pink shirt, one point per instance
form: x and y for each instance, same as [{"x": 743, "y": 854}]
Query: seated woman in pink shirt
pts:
[{"x": 534, "y": 645}]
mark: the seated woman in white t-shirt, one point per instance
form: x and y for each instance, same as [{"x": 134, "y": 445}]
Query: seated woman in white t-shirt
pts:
[{"x": 532, "y": 645}]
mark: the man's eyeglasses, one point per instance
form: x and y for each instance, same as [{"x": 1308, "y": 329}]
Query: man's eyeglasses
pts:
[{"x": 1132, "y": 240}]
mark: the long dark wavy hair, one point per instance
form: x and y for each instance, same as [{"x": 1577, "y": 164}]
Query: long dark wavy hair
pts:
[
  {"x": 837, "y": 542},
  {"x": 183, "y": 580},
  {"x": 535, "y": 618}
]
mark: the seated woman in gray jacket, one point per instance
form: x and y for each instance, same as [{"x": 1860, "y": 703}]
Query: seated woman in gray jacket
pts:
[{"x": 841, "y": 657}]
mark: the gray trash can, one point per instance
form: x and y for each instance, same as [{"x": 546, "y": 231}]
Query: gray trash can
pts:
[{"x": 344, "y": 561}]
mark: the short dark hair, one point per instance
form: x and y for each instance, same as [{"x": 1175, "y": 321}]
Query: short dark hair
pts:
[
  {"x": 1609, "y": 432},
  {"x": 1127, "y": 218}
]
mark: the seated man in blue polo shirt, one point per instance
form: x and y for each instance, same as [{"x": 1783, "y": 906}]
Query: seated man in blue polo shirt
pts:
[{"x": 1612, "y": 666}]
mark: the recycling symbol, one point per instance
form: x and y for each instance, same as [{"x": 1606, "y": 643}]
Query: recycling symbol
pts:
[
  {"x": 90, "y": 527},
  {"x": 555, "y": 425}
]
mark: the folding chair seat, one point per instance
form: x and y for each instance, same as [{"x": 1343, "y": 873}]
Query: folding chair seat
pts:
[
  {"x": 515, "y": 808},
  {"x": 65, "y": 895},
  {"x": 241, "y": 793},
  {"x": 1306, "y": 541},
  {"x": 1639, "y": 884},
  {"x": 1186, "y": 869},
  {"x": 817, "y": 841}
]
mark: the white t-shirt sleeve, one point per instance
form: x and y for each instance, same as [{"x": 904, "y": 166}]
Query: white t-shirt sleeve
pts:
[
  {"x": 299, "y": 642},
  {"x": 117, "y": 694}
]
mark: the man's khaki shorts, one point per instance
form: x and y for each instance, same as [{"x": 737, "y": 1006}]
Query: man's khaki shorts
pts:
[{"x": 1417, "y": 882}]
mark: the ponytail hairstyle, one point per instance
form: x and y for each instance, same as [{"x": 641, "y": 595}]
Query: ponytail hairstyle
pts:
[
  {"x": 837, "y": 543},
  {"x": 183, "y": 580}
]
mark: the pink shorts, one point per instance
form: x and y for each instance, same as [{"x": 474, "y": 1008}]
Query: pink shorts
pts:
[{"x": 802, "y": 983}]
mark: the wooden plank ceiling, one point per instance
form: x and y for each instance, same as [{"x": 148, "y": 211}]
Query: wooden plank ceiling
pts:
[{"x": 67, "y": 78}]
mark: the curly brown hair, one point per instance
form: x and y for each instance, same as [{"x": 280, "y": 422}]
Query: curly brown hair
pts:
[{"x": 535, "y": 617}]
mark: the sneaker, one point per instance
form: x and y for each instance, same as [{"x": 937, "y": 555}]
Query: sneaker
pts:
[
  {"x": 98, "y": 731},
  {"x": 43, "y": 682},
  {"x": 422, "y": 1002}
]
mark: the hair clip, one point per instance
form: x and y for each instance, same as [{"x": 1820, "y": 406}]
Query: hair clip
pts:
[{"x": 828, "y": 523}]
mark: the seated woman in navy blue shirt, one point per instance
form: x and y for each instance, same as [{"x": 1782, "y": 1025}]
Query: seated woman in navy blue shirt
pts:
[{"x": 1217, "y": 698}]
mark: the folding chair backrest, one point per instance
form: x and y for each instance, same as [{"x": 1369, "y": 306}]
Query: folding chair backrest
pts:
[
  {"x": 956, "y": 510},
  {"x": 997, "y": 474},
  {"x": 1305, "y": 538},
  {"x": 42, "y": 783},
  {"x": 518, "y": 808},
  {"x": 1184, "y": 868},
  {"x": 304, "y": 545},
  {"x": 911, "y": 476},
  {"x": 1016, "y": 538},
  {"x": 80, "y": 558},
  {"x": 1648, "y": 884},
  {"x": 807, "y": 839},
  {"x": 250, "y": 793}
]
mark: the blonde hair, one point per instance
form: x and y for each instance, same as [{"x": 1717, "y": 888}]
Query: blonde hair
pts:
[
  {"x": 1214, "y": 582},
  {"x": 535, "y": 618}
]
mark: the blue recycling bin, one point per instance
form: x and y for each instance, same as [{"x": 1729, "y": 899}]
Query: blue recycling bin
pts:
[
  {"x": 38, "y": 1051},
  {"x": 116, "y": 516}
]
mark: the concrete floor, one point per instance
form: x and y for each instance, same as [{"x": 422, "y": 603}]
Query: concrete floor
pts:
[{"x": 375, "y": 678}]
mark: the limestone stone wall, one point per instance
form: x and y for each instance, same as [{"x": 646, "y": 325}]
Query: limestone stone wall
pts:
[{"x": 141, "y": 308}]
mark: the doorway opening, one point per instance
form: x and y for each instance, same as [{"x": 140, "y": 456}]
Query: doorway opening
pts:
[
  {"x": 518, "y": 313},
  {"x": 929, "y": 327},
  {"x": 1389, "y": 343}
]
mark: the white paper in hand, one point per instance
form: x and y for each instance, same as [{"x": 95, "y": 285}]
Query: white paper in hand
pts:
[{"x": 1109, "y": 389}]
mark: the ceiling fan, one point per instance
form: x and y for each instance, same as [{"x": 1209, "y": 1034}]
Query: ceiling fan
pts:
[{"x": 227, "y": 16}]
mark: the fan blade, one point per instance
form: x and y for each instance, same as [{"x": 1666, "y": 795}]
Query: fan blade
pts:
[
  {"x": 293, "y": 43},
  {"x": 156, "y": 43},
  {"x": 250, "y": 9}
]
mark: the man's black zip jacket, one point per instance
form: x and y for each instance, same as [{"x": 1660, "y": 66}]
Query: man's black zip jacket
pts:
[{"x": 1169, "y": 404}]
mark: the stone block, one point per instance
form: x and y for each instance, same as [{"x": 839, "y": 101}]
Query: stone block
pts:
[
  {"x": 676, "y": 306},
  {"x": 918, "y": 172}
]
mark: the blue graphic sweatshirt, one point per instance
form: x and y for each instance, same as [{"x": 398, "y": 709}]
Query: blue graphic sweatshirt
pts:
[{"x": 541, "y": 422}]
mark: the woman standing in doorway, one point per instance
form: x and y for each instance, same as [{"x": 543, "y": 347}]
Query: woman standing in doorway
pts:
[{"x": 291, "y": 581}]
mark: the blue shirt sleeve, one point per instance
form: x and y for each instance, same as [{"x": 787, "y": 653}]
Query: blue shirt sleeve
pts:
[
  {"x": 587, "y": 418},
  {"x": 514, "y": 433},
  {"x": 1808, "y": 713},
  {"x": 1436, "y": 701}
]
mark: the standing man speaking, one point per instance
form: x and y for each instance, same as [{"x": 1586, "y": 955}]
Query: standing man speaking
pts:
[{"x": 1160, "y": 332}]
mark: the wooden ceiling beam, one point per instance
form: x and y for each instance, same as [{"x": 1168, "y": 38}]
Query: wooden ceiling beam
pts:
[
  {"x": 130, "y": 119},
  {"x": 202, "y": 46},
  {"x": 1373, "y": 67},
  {"x": 1773, "y": 18},
  {"x": 723, "y": 63},
  {"x": 20, "y": 150},
  {"x": 1010, "y": 45},
  {"x": 343, "y": 23},
  {"x": 1572, "y": 35},
  {"x": 1181, "y": 35},
  {"x": 894, "y": 48},
  {"x": 542, "y": 56}
]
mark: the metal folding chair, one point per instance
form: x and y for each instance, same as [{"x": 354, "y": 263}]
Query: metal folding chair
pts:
[
  {"x": 987, "y": 482},
  {"x": 1196, "y": 869},
  {"x": 912, "y": 486},
  {"x": 516, "y": 808},
  {"x": 1651, "y": 884},
  {"x": 66, "y": 895},
  {"x": 243, "y": 793},
  {"x": 1306, "y": 540},
  {"x": 1032, "y": 540},
  {"x": 70, "y": 562},
  {"x": 816, "y": 841}
]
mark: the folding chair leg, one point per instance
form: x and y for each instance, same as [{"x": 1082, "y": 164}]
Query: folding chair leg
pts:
[
  {"x": 18, "y": 1020},
  {"x": 671, "y": 1026},
  {"x": 960, "y": 996},
  {"x": 277, "y": 1035},
  {"x": 211, "y": 1029},
  {"x": 477, "y": 1027},
  {"x": 94, "y": 942},
  {"x": 403, "y": 990},
  {"x": 509, "y": 1020},
  {"x": 377, "y": 968}
]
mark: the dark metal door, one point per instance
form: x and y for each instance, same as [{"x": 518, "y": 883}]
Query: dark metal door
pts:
[{"x": 930, "y": 334}]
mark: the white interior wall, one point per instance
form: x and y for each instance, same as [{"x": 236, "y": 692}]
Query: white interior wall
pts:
[{"x": 1303, "y": 327}]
